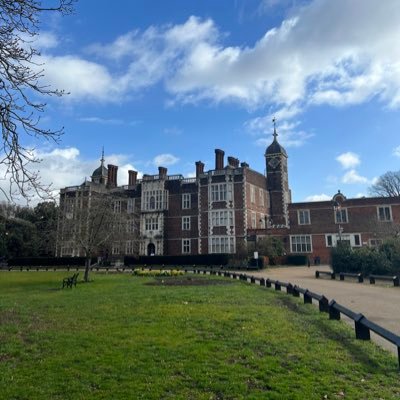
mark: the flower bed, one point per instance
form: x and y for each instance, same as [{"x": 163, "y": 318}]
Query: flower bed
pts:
[{"x": 157, "y": 272}]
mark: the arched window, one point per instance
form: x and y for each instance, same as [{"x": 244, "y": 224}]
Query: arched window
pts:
[{"x": 152, "y": 203}]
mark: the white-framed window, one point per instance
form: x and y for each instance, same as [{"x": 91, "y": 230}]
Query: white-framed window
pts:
[
  {"x": 130, "y": 247},
  {"x": 304, "y": 217},
  {"x": 301, "y": 244},
  {"x": 151, "y": 223},
  {"x": 222, "y": 244},
  {"x": 130, "y": 226},
  {"x": 130, "y": 206},
  {"x": 262, "y": 221},
  {"x": 384, "y": 213},
  {"x": 67, "y": 250},
  {"x": 221, "y": 192},
  {"x": 154, "y": 200},
  {"x": 222, "y": 218},
  {"x": 186, "y": 201},
  {"x": 115, "y": 249},
  {"x": 253, "y": 220},
  {"x": 185, "y": 246},
  {"x": 261, "y": 197},
  {"x": 352, "y": 239},
  {"x": 117, "y": 206},
  {"x": 186, "y": 223},
  {"x": 375, "y": 242},
  {"x": 252, "y": 194},
  {"x": 341, "y": 216}
]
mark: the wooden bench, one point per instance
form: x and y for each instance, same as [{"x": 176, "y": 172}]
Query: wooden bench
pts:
[
  {"x": 394, "y": 279},
  {"x": 70, "y": 280},
  {"x": 331, "y": 274},
  {"x": 359, "y": 277}
]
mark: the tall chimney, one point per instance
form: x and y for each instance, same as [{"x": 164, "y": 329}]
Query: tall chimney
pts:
[
  {"x": 219, "y": 159},
  {"x": 115, "y": 175},
  {"x": 233, "y": 162},
  {"x": 199, "y": 168},
  {"x": 132, "y": 177},
  {"x": 162, "y": 172},
  {"x": 112, "y": 176}
]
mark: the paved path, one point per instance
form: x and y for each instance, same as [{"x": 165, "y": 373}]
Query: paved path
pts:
[{"x": 379, "y": 303}]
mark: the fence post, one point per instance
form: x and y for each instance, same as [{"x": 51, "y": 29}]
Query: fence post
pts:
[
  {"x": 289, "y": 288},
  {"x": 371, "y": 280},
  {"x": 360, "y": 278},
  {"x": 268, "y": 283},
  {"x": 341, "y": 276},
  {"x": 396, "y": 282},
  {"x": 317, "y": 274},
  {"x": 362, "y": 332},
  {"x": 333, "y": 313},
  {"x": 295, "y": 291},
  {"x": 262, "y": 282},
  {"x": 252, "y": 279},
  {"x": 323, "y": 304},
  {"x": 307, "y": 297},
  {"x": 277, "y": 285}
]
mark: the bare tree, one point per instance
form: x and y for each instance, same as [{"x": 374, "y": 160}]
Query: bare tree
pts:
[
  {"x": 100, "y": 226},
  {"x": 21, "y": 93},
  {"x": 387, "y": 185}
]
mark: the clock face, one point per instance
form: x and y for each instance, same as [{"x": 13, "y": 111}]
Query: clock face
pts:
[{"x": 273, "y": 162}]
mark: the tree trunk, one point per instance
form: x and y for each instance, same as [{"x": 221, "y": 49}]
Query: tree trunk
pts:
[{"x": 87, "y": 268}]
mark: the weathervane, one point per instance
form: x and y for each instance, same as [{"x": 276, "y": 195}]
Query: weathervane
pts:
[
  {"x": 102, "y": 156},
  {"x": 274, "y": 134}
]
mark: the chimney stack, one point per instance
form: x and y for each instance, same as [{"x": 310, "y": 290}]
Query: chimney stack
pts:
[
  {"x": 132, "y": 177},
  {"x": 233, "y": 162},
  {"x": 162, "y": 172},
  {"x": 244, "y": 165},
  {"x": 199, "y": 168},
  {"x": 112, "y": 176},
  {"x": 219, "y": 159}
]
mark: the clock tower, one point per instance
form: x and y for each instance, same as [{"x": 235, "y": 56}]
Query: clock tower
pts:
[{"x": 277, "y": 182}]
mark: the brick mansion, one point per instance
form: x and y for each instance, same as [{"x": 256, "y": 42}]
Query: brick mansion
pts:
[{"x": 220, "y": 210}]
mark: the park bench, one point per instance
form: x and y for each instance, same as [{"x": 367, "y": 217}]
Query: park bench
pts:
[
  {"x": 252, "y": 267},
  {"x": 70, "y": 280},
  {"x": 329, "y": 273},
  {"x": 359, "y": 277},
  {"x": 394, "y": 279}
]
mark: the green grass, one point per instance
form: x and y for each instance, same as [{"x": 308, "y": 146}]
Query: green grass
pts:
[{"x": 117, "y": 338}]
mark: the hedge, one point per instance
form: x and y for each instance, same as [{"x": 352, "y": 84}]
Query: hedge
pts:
[
  {"x": 47, "y": 261},
  {"x": 198, "y": 259}
]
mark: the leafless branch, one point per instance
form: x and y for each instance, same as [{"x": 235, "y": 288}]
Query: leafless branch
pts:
[{"x": 20, "y": 86}]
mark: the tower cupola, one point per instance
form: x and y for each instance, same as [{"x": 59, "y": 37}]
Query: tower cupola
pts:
[{"x": 100, "y": 174}]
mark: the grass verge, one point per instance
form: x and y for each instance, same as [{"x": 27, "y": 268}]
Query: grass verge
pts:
[{"x": 125, "y": 337}]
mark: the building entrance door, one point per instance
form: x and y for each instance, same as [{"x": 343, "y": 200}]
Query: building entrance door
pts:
[{"x": 151, "y": 249}]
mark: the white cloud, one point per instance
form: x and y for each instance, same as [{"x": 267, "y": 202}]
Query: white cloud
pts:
[
  {"x": 289, "y": 133},
  {"x": 352, "y": 176},
  {"x": 80, "y": 78},
  {"x": 63, "y": 167},
  {"x": 325, "y": 52},
  {"x": 45, "y": 40},
  {"x": 165, "y": 160},
  {"x": 348, "y": 160},
  {"x": 396, "y": 151},
  {"x": 318, "y": 197}
]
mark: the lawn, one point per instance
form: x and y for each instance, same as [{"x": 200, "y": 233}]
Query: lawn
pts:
[{"x": 126, "y": 337}]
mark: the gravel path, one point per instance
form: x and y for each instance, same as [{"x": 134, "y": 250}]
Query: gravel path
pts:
[{"x": 380, "y": 303}]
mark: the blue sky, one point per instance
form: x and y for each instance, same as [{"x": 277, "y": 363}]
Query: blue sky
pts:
[{"x": 167, "y": 82}]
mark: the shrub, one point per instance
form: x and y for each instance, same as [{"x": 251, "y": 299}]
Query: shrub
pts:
[{"x": 364, "y": 260}]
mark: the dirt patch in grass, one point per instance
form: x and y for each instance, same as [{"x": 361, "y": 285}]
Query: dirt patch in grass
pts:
[{"x": 187, "y": 281}]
